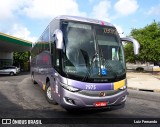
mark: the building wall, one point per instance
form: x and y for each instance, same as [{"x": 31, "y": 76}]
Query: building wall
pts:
[
  {"x": 6, "y": 59},
  {"x": 6, "y": 55}
]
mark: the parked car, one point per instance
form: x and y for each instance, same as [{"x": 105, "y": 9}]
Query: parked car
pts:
[{"x": 10, "y": 70}]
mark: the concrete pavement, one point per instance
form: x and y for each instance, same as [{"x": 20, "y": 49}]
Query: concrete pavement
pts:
[{"x": 144, "y": 81}]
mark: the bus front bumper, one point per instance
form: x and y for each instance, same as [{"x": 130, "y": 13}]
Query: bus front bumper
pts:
[{"x": 73, "y": 100}]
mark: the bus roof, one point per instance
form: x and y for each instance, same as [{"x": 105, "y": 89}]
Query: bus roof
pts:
[{"x": 82, "y": 19}]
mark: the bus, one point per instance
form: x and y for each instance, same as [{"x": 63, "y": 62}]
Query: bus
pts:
[{"x": 80, "y": 63}]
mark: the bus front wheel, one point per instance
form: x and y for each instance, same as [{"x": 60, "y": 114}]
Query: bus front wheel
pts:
[{"x": 48, "y": 94}]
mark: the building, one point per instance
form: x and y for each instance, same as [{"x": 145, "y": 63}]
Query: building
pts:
[{"x": 10, "y": 44}]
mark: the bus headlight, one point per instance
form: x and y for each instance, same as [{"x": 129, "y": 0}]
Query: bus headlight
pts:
[
  {"x": 125, "y": 85},
  {"x": 70, "y": 88}
]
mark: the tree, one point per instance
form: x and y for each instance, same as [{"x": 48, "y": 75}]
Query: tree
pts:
[
  {"x": 19, "y": 58},
  {"x": 149, "y": 39},
  {"x": 129, "y": 53}
]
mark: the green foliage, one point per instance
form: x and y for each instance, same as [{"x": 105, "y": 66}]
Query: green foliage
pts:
[
  {"x": 129, "y": 53},
  {"x": 20, "y": 57},
  {"x": 149, "y": 39}
]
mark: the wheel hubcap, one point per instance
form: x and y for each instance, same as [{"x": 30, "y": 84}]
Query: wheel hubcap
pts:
[{"x": 49, "y": 93}]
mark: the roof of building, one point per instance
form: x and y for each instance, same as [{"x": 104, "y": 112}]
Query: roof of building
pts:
[{"x": 10, "y": 43}]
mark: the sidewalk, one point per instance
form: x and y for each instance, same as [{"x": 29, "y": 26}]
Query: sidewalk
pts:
[{"x": 143, "y": 81}]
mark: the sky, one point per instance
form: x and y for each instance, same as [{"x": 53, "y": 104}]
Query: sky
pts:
[{"x": 27, "y": 19}]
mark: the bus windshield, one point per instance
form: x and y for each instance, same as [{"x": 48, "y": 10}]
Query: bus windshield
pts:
[{"x": 92, "y": 51}]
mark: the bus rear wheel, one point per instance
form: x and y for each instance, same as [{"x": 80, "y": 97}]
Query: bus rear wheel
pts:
[{"x": 48, "y": 94}]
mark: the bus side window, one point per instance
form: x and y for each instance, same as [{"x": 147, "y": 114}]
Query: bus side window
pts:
[{"x": 55, "y": 55}]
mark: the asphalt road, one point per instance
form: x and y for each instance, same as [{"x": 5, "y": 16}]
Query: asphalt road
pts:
[{"x": 19, "y": 98}]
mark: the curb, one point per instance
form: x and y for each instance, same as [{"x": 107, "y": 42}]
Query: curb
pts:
[{"x": 146, "y": 90}]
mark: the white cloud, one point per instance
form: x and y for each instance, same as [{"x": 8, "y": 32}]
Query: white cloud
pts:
[
  {"x": 126, "y": 7},
  {"x": 38, "y": 8},
  {"x": 22, "y": 32},
  {"x": 51, "y": 8},
  {"x": 101, "y": 10},
  {"x": 154, "y": 10},
  {"x": 6, "y": 10},
  {"x": 91, "y": 1},
  {"x": 120, "y": 30},
  {"x": 9, "y": 7},
  {"x": 9, "y": 19},
  {"x": 12, "y": 10}
]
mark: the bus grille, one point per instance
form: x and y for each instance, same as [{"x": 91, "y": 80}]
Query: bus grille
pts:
[{"x": 97, "y": 93}]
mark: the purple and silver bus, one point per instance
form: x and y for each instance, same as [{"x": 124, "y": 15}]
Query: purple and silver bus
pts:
[{"x": 79, "y": 63}]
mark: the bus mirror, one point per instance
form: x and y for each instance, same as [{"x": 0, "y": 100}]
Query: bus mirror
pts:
[
  {"x": 135, "y": 44},
  {"x": 58, "y": 37}
]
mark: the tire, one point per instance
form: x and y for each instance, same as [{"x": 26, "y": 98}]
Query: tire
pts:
[
  {"x": 32, "y": 76},
  {"x": 48, "y": 94},
  {"x": 11, "y": 73}
]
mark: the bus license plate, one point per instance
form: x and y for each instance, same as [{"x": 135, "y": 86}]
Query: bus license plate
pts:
[{"x": 100, "y": 104}]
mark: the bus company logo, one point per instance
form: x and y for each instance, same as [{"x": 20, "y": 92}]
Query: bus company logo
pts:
[
  {"x": 102, "y": 94},
  {"x": 6, "y": 121}
]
